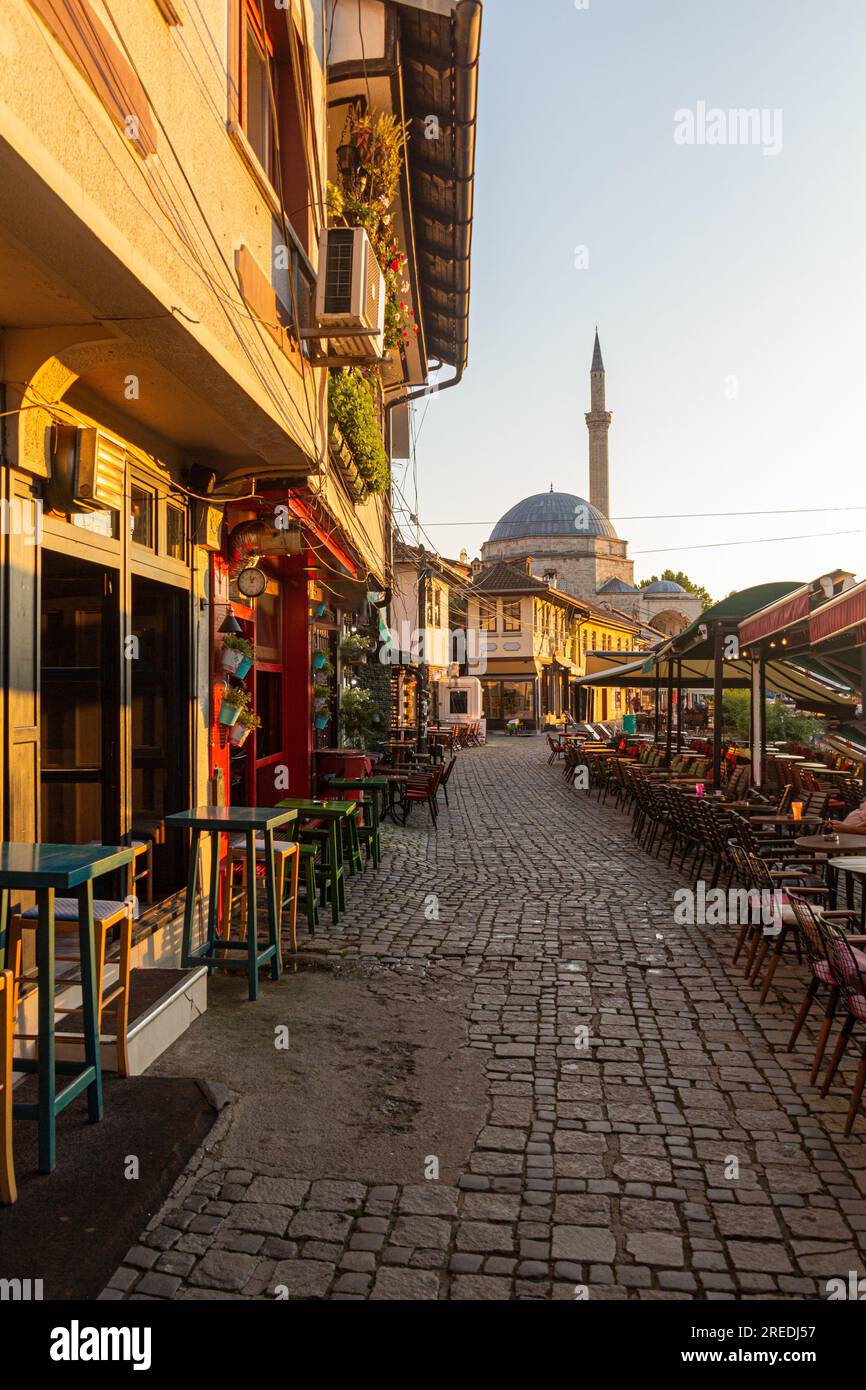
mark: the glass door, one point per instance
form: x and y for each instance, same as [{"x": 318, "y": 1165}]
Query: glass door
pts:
[{"x": 79, "y": 702}]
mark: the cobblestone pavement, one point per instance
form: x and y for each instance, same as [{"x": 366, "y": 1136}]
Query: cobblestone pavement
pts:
[{"x": 607, "y": 1173}]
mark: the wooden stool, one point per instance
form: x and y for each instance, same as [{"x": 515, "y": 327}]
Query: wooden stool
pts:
[
  {"x": 351, "y": 841},
  {"x": 142, "y": 849},
  {"x": 8, "y": 1191},
  {"x": 309, "y": 855},
  {"x": 110, "y": 999},
  {"x": 285, "y": 853}
]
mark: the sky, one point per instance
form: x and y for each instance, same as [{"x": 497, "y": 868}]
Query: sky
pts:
[{"x": 726, "y": 280}]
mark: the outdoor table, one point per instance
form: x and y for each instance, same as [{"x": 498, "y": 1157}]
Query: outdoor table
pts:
[
  {"x": 856, "y": 868},
  {"x": 46, "y": 870},
  {"x": 249, "y": 821},
  {"x": 847, "y": 844},
  {"x": 806, "y": 819}
]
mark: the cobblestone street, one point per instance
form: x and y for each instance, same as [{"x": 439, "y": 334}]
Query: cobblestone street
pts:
[{"x": 681, "y": 1155}]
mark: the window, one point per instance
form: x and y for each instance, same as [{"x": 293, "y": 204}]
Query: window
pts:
[
  {"x": 141, "y": 516},
  {"x": 269, "y": 645},
  {"x": 260, "y": 55},
  {"x": 511, "y": 616},
  {"x": 175, "y": 532},
  {"x": 488, "y": 616},
  {"x": 459, "y": 702},
  {"x": 258, "y": 66}
]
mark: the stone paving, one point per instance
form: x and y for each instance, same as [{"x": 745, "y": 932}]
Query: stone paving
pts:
[{"x": 679, "y": 1154}]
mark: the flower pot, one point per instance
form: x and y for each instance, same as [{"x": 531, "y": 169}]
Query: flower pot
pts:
[
  {"x": 319, "y": 659},
  {"x": 322, "y": 721},
  {"x": 239, "y": 734},
  {"x": 228, "y": 714},
  {"x": 234, "y": 663}
]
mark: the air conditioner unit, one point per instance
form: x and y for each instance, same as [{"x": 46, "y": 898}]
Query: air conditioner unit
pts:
[{"x": 350, "y": 294}]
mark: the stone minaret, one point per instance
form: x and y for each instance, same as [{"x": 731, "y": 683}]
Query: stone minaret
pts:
[{"x": 598, "y": 423}]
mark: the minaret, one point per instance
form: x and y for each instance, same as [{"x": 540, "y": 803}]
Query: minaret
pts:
[{"x": 598, "y": 423}]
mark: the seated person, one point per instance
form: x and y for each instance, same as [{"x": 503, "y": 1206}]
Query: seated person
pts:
[{"x": 853, "y": 824}]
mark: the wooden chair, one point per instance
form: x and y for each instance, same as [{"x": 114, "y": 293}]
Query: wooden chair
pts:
[
  {"x": 422, "y": 786},
  {"x": 285, "y": 855},
  {"x": 107, "y": 914},
  {"x": 8, "y": 1191},
  {"x": 445, "y": 777}
]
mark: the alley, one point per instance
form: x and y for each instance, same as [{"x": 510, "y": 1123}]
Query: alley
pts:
[{"x": 435, "y": 1127}]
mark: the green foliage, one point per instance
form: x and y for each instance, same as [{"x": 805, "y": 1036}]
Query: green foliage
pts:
[
  {"x": 249, "y": 718},
  {"x": 354, "y": 649},
  {"x": 236, "y": 642},
  {"x": 683, "y": 579},
  {"x": 350, "y": 403},
  {"x": 365, "y": 199},
  {"x": 357, "y": 714},
  {"x": 784, "y": 724},
  {"x": 237, "y": 696}
]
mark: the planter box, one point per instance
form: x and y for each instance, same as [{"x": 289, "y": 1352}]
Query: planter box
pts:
[{"x": 341, "y": 457}]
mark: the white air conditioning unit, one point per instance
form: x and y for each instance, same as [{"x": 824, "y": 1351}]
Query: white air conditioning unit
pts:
[{"x": 350, "y": 294}]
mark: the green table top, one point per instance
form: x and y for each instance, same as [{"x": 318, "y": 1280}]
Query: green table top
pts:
[
  {"x": 230, "y": 818},
  {"x": 321, "y": 808},
  {"x": 57, "y": 866}
]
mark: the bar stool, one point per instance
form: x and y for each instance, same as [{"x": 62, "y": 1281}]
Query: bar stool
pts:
[
  {"x": 309, "y": 854},
  {"x": 8, "y": 1190},
  {"x": 107, "y": 914},
  {"x": 352, "y": 840},
  {"x": 329, "y": 866},
  {"x": 285, "y": 854}
]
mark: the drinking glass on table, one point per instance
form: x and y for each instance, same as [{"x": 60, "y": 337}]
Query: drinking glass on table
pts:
[{"x": 797, "y": 810}]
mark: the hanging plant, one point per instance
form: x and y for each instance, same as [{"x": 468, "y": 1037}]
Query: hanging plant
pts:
[
  {"x": 354, "y": 649},
  {"x": 238, "y": 654},
  {"x": 365, "y": 197},
  {"x": 247, "y": 720},
  {"x": 357, "y": 711},
  {"x": 234, "y": 699}
]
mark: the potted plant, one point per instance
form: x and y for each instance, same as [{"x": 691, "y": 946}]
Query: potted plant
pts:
[
  {"x": 234, "y": 699},
  {"x": 354, "y": 649},
  {"x": 247, "y": 720},
  {"x": 238, "y": 654}
]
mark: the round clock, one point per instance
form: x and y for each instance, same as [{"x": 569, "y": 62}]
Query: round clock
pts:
[{"x": 252, "y": 582}]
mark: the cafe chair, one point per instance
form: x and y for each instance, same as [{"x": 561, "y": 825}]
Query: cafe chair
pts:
[
  {"x": 8, "y": 1191},
  {"x": 445, "y": 777},
  {"x": 819, "y": 950},
  {"x": 422, "y": 787},
  {"x": 111, "y": 998},
  {"x": 285, "y": 857}
]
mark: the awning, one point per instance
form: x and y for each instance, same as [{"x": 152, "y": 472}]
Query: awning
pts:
[
  {"x": 815, "y": 688},
  {"x": 842, "y": 613},
  {"x": 600, "y": 670},
  {"x": 776, "y": 616}
]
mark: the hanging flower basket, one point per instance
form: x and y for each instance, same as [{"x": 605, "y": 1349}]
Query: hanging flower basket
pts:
[
  {"x": 238, "y": 734},
  {"x": 235, "y": 702},
  {"x": 319, "y": 661},
  {"x": 237, "y": 655},
  {"x": 322, "y": 721}
]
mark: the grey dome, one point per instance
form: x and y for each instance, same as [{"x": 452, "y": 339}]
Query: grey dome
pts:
[
  {"x": 552, "y": 514},
  {"x": 617, "y": 586},
  {"x": 664, "y": 586}
]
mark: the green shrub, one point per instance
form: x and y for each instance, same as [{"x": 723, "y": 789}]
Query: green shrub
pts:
[{"x": 350, "y": 403}]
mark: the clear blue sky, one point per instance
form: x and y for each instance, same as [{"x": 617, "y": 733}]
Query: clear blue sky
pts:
[{"x": 705, "y": 263}]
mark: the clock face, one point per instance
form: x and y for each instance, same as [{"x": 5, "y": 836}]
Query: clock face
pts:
[{"x": 251, "y": 582}]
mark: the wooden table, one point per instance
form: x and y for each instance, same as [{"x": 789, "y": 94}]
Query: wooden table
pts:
[
  {"x": 833, "y": 844},
  {"x": 250, "y": 821},
  {"x": 853, "y": 867},
  {"x": 70, "y": 870}
]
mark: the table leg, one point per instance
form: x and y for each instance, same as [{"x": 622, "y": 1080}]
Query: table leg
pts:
[
  {"x": 90, "y": 1009},
  {"x": 187, "y": 957},
  {"x": 274, "y": 908},
  {"x": 45, "y": 1066},
  {"x": 294, "y": 870},
  {"x": 335, "y": 835},
  {"x": 213, "y": 904},
  {"x": 252, "y": 923}
]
